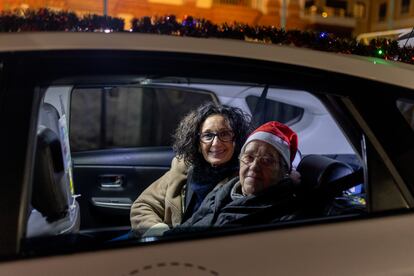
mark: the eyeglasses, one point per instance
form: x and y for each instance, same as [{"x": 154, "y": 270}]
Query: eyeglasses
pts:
[
  {"x": 248, "y": 160},
  {"x": 224, "y": 136}
]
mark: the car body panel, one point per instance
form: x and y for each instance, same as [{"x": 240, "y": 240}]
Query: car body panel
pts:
[
  {"x": 366, "y": 67},
  {"x": 364, "y": 247}
]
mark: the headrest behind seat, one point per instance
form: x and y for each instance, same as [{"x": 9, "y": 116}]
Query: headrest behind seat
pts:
[{"x": 318, "y": 171}]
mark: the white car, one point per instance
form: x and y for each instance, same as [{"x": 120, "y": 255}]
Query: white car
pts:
[{"x": 90, "y": 101}]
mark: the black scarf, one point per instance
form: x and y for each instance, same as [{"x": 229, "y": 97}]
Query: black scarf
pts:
[{"x": 205, "y": 178}]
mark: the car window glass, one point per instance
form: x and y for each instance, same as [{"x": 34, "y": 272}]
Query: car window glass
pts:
[
  {"x": 278, "y": 111},
  {"x": 128, "y": 116}
]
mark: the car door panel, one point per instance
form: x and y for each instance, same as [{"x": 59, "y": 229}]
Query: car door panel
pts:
[{"x": 108, "y": 181}]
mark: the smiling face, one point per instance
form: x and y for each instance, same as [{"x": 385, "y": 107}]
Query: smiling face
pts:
[
  {"x": 216, "y": 152},
  {"x": 260, "y": 167}
]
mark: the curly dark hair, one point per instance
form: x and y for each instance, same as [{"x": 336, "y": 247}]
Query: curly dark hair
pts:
[{"x": 186, "y": 137}]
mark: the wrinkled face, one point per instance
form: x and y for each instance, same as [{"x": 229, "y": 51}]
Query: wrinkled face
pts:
[
  {"x": 260, "y": 167},
  {"x": 216, "y": 140}
]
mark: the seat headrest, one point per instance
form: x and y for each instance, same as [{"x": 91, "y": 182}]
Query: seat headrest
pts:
[
  {"x": 48, "y": 195},
  {"x": 318, "y": 171}
]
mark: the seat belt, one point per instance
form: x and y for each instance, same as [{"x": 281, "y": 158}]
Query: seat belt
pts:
[{"x": 259, "y": 113}]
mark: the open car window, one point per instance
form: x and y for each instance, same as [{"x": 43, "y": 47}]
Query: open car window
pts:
[
  {"x": 120, "y": 138},
  {"x": 120, "y": 142}
]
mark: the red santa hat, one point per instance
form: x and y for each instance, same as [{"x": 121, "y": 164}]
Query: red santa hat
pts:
[{"x": 278, "y": 135}]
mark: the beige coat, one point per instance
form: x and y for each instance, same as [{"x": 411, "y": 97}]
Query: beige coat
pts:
[{"x": 161, "y": 204}]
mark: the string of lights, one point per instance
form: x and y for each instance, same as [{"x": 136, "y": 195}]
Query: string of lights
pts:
[{"x": 48, "y": 20}]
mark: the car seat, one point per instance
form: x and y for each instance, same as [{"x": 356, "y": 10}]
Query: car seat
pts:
[
  {"x": 318, "y": 171},
  {"x": 323, "y": 180},
  {"x": 54, "y": 211}
]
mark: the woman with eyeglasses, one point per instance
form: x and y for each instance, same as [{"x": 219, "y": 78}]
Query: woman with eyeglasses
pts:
[{"x": 207, "y": 144}]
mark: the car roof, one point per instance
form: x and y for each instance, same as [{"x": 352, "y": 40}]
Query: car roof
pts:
[{"x": 371, "y": 68}]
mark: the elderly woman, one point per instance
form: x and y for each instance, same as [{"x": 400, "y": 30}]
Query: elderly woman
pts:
[
  {"x": 207, "y": 143},
  {"x": 264, "y": 190}
]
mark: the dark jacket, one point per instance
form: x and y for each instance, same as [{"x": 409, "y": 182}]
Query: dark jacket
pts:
[{"x": 219, "y": 208}]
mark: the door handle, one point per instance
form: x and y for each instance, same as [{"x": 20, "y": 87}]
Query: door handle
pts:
[
  {"x": 112, "y": 202},
  {"x": 111, "y": 181}
]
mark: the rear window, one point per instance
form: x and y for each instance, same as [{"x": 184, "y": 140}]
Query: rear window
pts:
[
  {"x": 277, "y": 111},
  {"x": 111, "y": 117}
]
